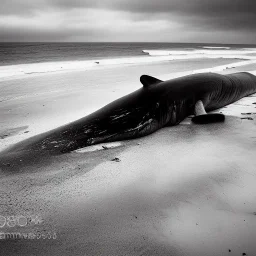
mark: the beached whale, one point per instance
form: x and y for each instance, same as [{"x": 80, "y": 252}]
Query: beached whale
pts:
[{"x": 157, "y": 104}]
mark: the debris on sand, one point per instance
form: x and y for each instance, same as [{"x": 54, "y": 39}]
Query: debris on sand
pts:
[
  {"x": 116, "y": 159},
  {"x": 105, "y": 147}
]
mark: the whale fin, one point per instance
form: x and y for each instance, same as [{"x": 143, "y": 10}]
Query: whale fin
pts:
[
  {"x": 149, "y": 80},
  {"x": 208, "y": 118},
  {"x": 201, "y": 117}
]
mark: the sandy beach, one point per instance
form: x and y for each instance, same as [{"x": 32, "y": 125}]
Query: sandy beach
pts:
[{"x": 184, "y": 190}]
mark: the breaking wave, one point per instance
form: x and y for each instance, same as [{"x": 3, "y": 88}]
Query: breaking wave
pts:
[{"x": 150, "y": 56}]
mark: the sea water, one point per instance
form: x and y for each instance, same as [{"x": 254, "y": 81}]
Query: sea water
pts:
[
  {"x": 24, "y": 53},
  {"x": 28, "y": 58}
]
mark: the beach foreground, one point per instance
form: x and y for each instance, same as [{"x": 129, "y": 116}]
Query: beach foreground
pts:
[{"x": 184, "y": 190}]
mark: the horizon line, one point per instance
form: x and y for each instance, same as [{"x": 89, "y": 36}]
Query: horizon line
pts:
[{"x": 125, "y": 42}]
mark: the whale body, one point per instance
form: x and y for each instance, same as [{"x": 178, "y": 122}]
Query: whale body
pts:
[{"x": 157, "y": 104}]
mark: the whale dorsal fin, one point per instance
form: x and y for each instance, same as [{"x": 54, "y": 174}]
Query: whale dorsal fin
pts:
[{"x": 149, "y": 80}]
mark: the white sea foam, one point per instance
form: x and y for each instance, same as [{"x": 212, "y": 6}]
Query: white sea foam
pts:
[
  {"x": 195, "y": 52},
  {"x": 166, "y": 52},
  {"x": 215, "y": 47},
  {"x": 13, "y": 71}
]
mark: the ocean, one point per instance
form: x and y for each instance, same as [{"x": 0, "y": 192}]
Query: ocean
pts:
[
  {"x": 18, "y": 59},
  {"x": 24, "y": 53}
]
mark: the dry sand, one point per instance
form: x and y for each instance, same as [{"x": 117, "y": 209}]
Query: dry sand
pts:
[{"x": 184, "y": 190}]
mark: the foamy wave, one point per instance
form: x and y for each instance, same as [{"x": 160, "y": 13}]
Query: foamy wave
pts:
[
  {"x": 215, "y": 47},
  {"x": 166, "y": 52},
  {"x": 48, "y": 67},
  {"x": 13, "y": 71},
  {"x": 195, "y": 52}
]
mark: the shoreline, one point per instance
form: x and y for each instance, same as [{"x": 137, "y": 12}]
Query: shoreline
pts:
[{"x": 150, "y": 56}]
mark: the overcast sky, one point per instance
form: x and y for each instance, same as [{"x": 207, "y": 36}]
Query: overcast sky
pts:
[{"x": 219, "y": 21}]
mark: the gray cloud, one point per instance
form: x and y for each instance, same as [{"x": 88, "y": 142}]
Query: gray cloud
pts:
[
  {"x": 15, "y": 7},
  {"x": 24, "y": 33},
  {"x": 237, "y": 16}
]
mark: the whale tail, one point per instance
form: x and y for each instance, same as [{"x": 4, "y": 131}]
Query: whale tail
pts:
[{"x": 201, "y": 117}]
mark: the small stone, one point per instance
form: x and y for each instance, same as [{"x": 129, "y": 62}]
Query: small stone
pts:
[
  {"x": 26, "y": 131},
  {"x": 244, "y": 253},
  {"x": 116, "y": 159},
  {"x": 229, "y": 250},
  {"x": 104, "y": 147}
]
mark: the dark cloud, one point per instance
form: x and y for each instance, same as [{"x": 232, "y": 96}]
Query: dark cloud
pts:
[
  {"x": 229, "y": 14},
  {"x": 191, "y": 15},
  {"x": 47, "y": 34}
]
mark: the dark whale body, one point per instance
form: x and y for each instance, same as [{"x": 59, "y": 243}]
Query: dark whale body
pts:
[{"x": 155, "y": 105}]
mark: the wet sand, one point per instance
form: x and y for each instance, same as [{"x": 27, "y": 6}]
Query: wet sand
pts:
[{"x": 184, "y": 190}]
